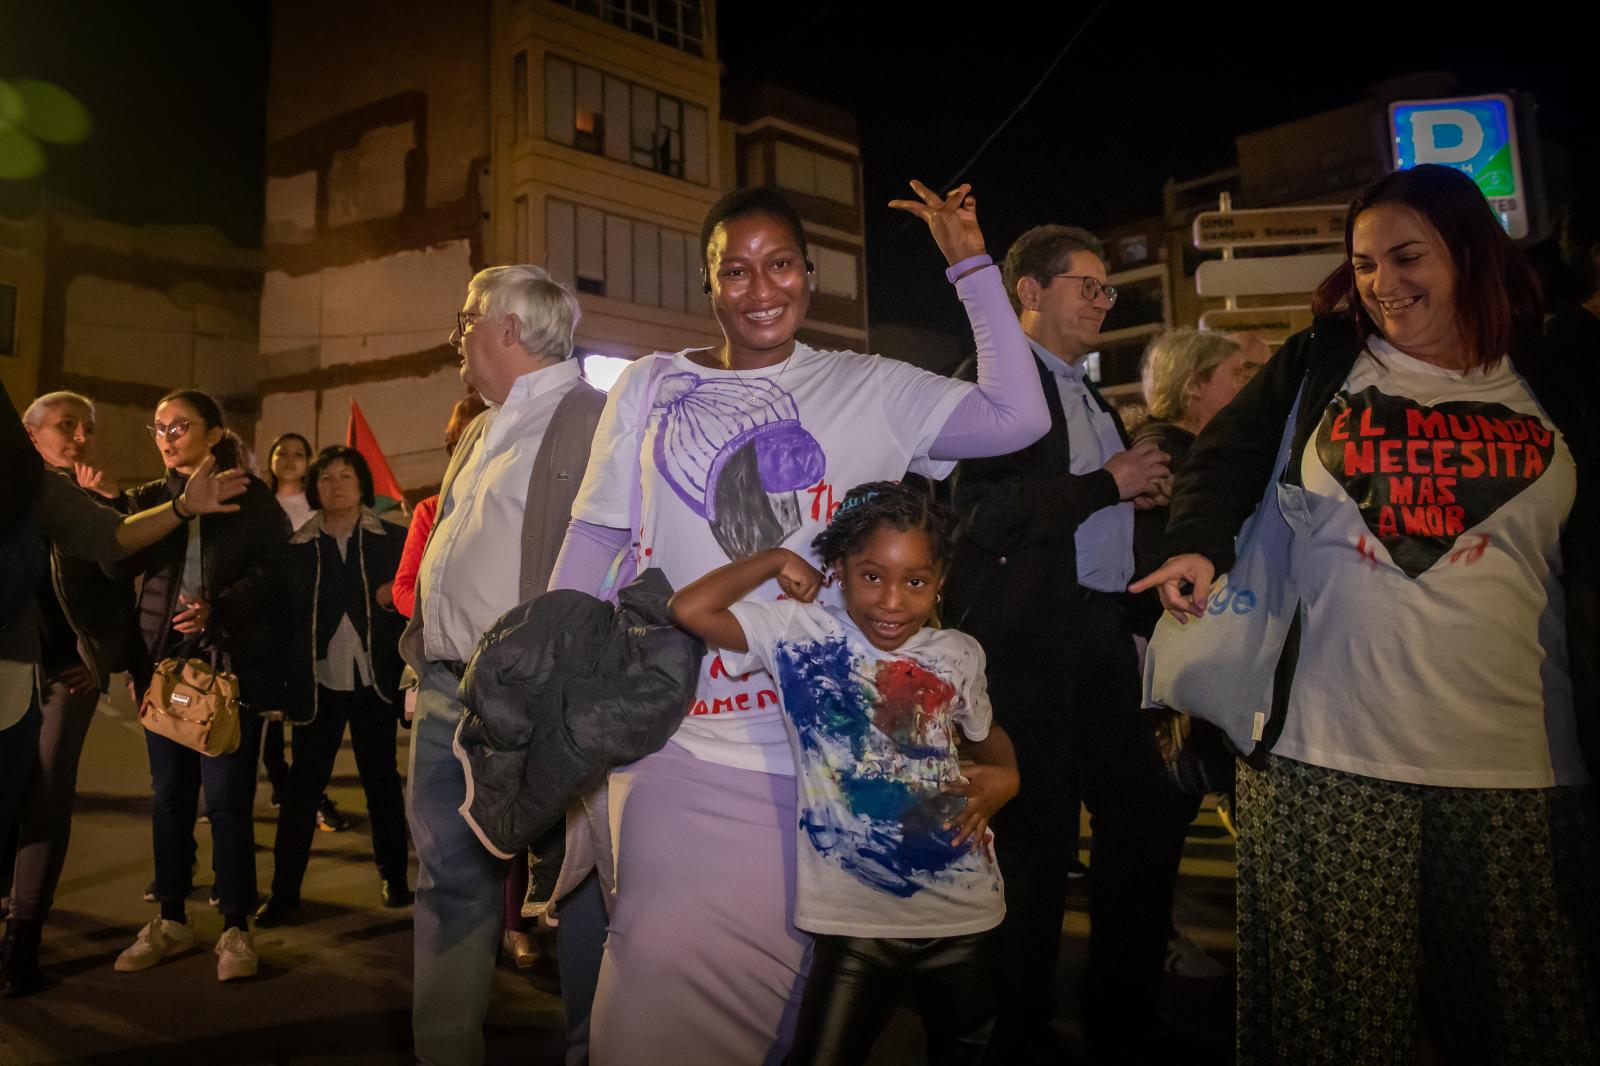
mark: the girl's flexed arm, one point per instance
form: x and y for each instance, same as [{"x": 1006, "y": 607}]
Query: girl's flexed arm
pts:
[{"x": 701, "y": 607}]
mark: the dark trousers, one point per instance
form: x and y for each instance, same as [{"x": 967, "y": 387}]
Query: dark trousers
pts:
[
  {"x": 177, "y": 774},
  {"x": 44, "y": 822},
  {"x": 316, "y": 744},
  {"x": 19, "y": 747},
  {"x": 272, "y": 759},
  {"x": 855, "y": 983},
  {"x": 1073, "y": 715}
]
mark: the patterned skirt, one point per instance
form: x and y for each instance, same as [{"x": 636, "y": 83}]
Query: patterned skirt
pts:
[{"x": 1372, "y": 911}]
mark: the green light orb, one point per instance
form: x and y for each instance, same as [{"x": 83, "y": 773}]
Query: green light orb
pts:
[
  {"x": 12, "y": 109},
  {"x": 52, "y": 113},
  {"x": 20, "y": 155}
]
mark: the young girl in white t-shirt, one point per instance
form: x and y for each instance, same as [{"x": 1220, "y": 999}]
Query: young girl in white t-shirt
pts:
[{"x": 896, "y": 873}]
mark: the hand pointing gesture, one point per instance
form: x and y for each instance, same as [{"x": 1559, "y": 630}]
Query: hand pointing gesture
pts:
[{"x": 952, "y": 219}]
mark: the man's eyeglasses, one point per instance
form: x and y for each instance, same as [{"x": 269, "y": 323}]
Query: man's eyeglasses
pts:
[
  {"x": 1093, "y": 287},
  {"x": 171, "y": 431},
  {"x": 464, "y": 319}
]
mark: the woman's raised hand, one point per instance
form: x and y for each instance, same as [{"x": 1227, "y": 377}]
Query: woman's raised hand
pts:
[
  {"x": 206, "y": 492},
  {"x": 1195, "y": 570},
  {"x": 952, "y": 219}
]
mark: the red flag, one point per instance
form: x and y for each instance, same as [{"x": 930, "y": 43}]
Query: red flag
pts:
[{"x": 359, "y": 436}]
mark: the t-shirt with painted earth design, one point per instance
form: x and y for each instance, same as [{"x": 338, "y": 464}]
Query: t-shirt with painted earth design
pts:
[
  {"x": 1435, "y": 646},
  {"x": 875, "y": 738}
]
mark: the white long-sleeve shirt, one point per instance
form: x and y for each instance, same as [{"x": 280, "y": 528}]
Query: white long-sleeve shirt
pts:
[{"x": 470, "y": 571}]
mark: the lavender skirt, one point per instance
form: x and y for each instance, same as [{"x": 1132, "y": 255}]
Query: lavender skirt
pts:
[{"x": 703, "y": 963}]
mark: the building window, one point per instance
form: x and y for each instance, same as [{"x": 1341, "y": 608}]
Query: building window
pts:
[
  {"x": 813, "y": 173},
  {"x": 674, "y": 23},
  {"x": 625, "y": 259},
  {"x": 8, "y": 320},
  {"x": 519, "y": 96},
  {"x": 836, "y": 272},
  {"x": 631, "y": 123}
]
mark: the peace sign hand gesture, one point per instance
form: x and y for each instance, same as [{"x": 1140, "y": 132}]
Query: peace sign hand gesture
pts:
[{"x": 952, "y": 219}]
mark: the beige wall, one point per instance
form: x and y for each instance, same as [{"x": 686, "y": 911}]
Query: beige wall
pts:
[{"x": 22, "y": 266}]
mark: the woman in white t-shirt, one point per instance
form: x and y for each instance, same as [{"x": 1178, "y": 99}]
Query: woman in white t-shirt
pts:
[
  {"x": 709, "y": 456},
  {"x": 287, "y": 461},
  {"x": 1426, "y": 808}
]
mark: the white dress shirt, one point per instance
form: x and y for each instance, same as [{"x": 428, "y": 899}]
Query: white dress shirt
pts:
[
  {"x": 471, "y": 570},
  {"x": 1104, "y": 540}
]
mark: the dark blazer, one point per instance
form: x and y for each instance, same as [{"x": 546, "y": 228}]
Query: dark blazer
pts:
[
  {"x": 1232, "y": 459},
  {"x": 1016, "y": 565},
  {"x": 241, "y": 554},
  {"x": 317, "y": 602}
]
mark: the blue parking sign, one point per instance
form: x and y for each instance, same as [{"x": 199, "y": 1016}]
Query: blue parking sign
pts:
[{"x": 1475, "y": 134}]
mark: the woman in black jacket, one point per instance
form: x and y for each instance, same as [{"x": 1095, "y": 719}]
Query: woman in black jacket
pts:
[
  {"x": 207, "y": 587},
  {"x": 344, "y": 667},
  {"x": 1427, "y": 807}
]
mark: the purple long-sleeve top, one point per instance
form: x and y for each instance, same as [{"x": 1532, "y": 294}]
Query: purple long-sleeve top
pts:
[{"x": 1003, "y": 412}]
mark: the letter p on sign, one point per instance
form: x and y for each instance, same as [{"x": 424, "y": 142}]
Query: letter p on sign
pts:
[{"x": 1475, "y": 134}]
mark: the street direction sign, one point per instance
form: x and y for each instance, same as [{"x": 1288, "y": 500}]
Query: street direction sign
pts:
[
  {"x": 1266, "y": 276},
  {"x": 1475, "y": 134},
  {"x": 1319, "y": 224},
  {"x": 1272, "y": 324}
]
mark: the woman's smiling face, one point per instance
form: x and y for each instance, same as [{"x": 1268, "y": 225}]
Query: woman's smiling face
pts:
[
  {"x": 760, "y": 290},
  {"x": 1407, "y": 282}
]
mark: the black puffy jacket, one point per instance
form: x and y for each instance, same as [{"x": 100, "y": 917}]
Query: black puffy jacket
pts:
[
  {"x": 560, "y": 690},
  {"x": 241, "y": 555}
]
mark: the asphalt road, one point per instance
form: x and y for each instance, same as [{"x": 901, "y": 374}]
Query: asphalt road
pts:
[{"x": 335, "y": 987}]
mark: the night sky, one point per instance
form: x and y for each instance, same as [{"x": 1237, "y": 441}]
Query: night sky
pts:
[{"x": 1145, "y": 94}]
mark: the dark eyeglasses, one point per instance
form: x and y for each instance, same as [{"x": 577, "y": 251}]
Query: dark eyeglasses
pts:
[
  {"x": 174, "y": 430},
  {"x": 1093, "y": 287},
  {"x": 464, "y": 319}
]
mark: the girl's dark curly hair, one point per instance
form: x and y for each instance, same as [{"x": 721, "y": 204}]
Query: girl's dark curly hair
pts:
[{"x": 868, "y": 508}]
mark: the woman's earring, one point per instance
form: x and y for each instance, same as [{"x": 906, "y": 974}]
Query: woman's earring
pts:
[{"x": 938, "y": 597}]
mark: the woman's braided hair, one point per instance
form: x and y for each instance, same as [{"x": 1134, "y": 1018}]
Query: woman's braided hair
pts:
[{"x": 869, "y": 507}]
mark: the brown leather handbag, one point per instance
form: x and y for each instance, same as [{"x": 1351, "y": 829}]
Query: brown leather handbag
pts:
[{"x": 193, "y": 703}]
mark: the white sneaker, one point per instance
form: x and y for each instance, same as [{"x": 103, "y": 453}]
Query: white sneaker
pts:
[
  {"x": 155, "y": 942},
  {"x": 236, "y": 957},
  {"x": 1185, "y": 959}
]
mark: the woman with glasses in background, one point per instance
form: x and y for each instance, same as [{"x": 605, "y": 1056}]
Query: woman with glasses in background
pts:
[{"x": 207, "y": 587}]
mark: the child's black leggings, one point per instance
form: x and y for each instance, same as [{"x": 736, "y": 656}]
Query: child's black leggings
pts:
[{"x": 855, "y": 983}]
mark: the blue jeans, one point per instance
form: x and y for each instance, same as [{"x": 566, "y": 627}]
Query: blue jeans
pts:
[
  {"x": 460, "y": 889},
  {"x": 177, "y": 774}
]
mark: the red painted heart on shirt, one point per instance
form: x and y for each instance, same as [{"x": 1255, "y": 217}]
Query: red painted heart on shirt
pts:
[{"x": 1424, "y": 475}]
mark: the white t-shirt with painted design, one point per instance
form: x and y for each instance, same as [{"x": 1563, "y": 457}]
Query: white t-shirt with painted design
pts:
[
  {"x": 1434, "y": 648},
  {"x": 874, "y": 734},
  {"x": 735, "y": 463}
]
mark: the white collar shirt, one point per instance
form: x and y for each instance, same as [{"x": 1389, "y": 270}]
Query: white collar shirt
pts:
[
  {"x": 470, "y": 573},
  {"x": 1104, "y": 540}
]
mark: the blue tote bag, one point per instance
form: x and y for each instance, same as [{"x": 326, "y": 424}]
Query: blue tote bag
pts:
[{"x": 1219, "y": 667}]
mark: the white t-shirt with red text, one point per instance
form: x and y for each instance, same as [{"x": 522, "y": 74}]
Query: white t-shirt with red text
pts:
[
  {"x": 738, "y": 462},
  {"x": 1434, "y": 646}
]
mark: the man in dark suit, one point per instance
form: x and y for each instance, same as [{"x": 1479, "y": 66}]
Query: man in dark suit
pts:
[{"x": 1040, "y": 580}]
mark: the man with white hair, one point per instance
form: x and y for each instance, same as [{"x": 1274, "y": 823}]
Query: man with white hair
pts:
[{"x": 507, "y": 495}]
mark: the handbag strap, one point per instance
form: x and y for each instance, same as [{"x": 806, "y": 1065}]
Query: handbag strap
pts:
[{"x": 1280, "y": 466}]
